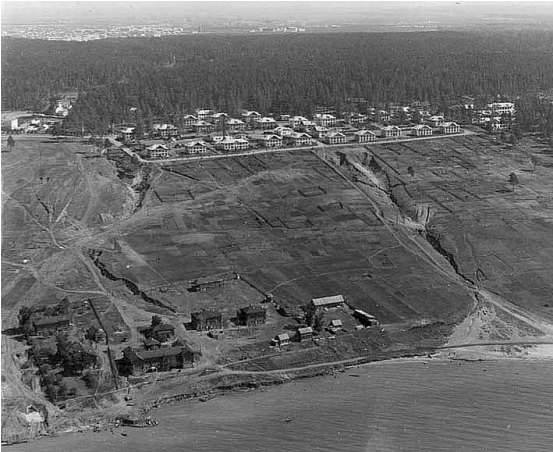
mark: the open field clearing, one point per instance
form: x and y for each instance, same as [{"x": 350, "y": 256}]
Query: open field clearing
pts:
[
  {"x": 290, "y": 225},
  {"x": 500, "y": 235}
]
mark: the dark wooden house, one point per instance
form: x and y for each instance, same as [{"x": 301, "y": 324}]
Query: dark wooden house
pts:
[
  {"x": 49, "y": 326},
  {"x": 163, "y": 332},
  {"x": 151, "y": 344},
  {"x": 206, "y": 320},
  {"x": 137, "y": 362},
  {"x": 251, "y": 315},
  {"x": 304, "y": 334}
]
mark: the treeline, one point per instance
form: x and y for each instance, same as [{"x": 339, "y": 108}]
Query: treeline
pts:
[{"x": 165, "y": 77}]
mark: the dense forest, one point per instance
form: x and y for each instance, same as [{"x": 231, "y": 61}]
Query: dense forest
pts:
[{"x": 165, "y": 77}]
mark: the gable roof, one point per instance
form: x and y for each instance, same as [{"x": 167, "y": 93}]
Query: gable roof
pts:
[
  {"x": 234, "y": 121},
  {"x": 364, "y": 132},
  {"x": 146, "y": 355},
  {"x": 163, "y": 327},
  {"x": 253, "y": 309},
  {"x": 282, "y": 129},
  {"x": 300, "y": 135},
  {"x": 335, "y": 134},
  {"x": 191, "y": 144},
  {"x": 154, "y": 147},
  {"x": 206, "y": 315},
  {"x": 51, "y": 320},
  {"x": 324, "y": 301},
  {"x": 164, "y": 127},
  {"x": 305, "y": 330},
  {"x": 283, "y": 337},
  {"x": 364, "y": 314},
  {"x": 271, "y": 137}
]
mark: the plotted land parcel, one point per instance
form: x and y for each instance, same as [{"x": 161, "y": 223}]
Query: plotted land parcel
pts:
[{"x": 292, "y": 226}]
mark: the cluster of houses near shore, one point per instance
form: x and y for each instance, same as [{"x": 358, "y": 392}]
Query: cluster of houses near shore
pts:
[
  {"x": 157, "y": 353},
  {"x": 209, "y": 131}
]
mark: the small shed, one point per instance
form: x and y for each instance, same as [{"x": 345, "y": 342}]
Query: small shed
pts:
[{"x": 337, "y": 323}]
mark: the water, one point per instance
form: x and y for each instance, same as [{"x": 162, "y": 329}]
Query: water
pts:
[{"x": 393, "y": 406}]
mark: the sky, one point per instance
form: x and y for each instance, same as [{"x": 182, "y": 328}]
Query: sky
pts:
[{"x": 92, "y": 12}]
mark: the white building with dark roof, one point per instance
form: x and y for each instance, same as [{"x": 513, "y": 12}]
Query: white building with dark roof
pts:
[
  {"x": 335, "y": 138},
  {"x": 324, "y": 119},
  {"x": 450, "y": 127},
  {"x": 421, "y": 130},
  {"x": 364, "y": 136},
  {"x": 266, "y": 123}
]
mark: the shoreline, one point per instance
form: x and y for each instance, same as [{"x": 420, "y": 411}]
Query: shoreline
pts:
[
  {"x": 289, "y": 375},
  {"x": 223, "y": 384}
]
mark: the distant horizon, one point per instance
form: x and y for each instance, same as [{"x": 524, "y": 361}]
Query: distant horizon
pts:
[{"x": 317, "y": 12}]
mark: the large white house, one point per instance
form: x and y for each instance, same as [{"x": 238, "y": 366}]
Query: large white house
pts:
[
  {"x": 189, "y": 120},
  {"x": 300, "y": 139},
  {"x": 296, "y": 121},
  {"x": 335, "y": 138},
  {"x": 272, "y": 141},
  {"x": 283, "y": 131},
  {"x": 436, "y": 121},
  {"x": 195, "y": 147},
  {"x": 235, "y": 124},
  {"x": 232, "y": 144},
  {"x": 250, "y": 116},
  {"x": 203, "y": 126},
  {"x": 364, "y": 136},
  {"x": 126, "y": 133},
  {"x": 421, "y": 130},
  {"x": 501, "y": 108},
  {"x": 157, "y": 151},
  {"x": 324, "y": 119},
  {"x": 165, "y": 130},
  {"x": 390, "y": 132},
  {"x": 203, "y": 114},
  {"x": 266, "y": 123},
  {"x": 450, "y": 127}
]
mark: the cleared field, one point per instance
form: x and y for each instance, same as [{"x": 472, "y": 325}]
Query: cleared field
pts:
[
  {"x": 499, "y": 234},
  {"x": 292, "y": 226}
]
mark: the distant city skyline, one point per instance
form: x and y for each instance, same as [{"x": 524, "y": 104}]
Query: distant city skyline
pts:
[{"x": 369, "y": 12}]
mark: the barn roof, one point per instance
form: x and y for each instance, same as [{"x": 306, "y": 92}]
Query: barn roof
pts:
[
  {"x": 305, "y": 330},
  {"x": 324, "y": 301}
]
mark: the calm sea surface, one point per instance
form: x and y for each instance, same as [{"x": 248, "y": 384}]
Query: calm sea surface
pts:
[{"x": 395, "y": 406}]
